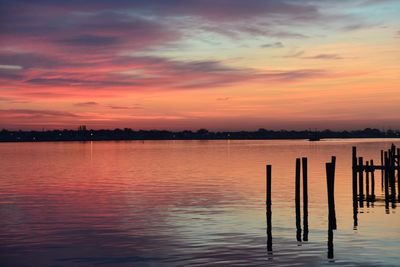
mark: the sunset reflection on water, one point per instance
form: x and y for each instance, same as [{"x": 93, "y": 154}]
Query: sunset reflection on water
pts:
[{"x": 183, "y": 203}]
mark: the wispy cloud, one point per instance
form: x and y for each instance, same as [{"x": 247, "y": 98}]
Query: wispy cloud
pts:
[
  {"x": 300, "y": 54},
  {"x": 357, "y": 26},
  {"x": 91, "y": 40},
  {"x": 125, "y": 107},
  {"x": 325, "y": 56},
  {"x": 134, "y": 73},
  {"x": 86, "y": 104},
  {"x": 293, "y": 54},
  {"x": 101, "y": 82},
  {"x": 273, "y": 45},
  {"x": 34, "y": 113},
  {"x": 10, "y": 67},
  {"x": 13, "y": 100}
]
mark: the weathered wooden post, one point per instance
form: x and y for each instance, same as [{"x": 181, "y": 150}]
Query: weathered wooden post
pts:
[
  {"x": 330, "y": 176},
  {"x": 382, "y": 170},
  {"x": 354, "y": 163},
  {"x": 333, "y": 161},
  {"x": 386, "y": 176},
  {"x": 355, "y": 204},
  {"x": 372, "y": 181},
  {"x": 398, "y": 173},
  {"x": 367, "y": 180},
  {"x": 361, "y": 181},
  {"x": 354, "y": 169},
  {"x": 297, "y": 201},
  {"x": 305, "y": 199},
  {"x": 392, "y": 173},
  {"x": 269, "y": 211}
]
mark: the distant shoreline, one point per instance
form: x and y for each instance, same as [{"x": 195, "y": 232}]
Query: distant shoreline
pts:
[{"x": 132, "y": 135}]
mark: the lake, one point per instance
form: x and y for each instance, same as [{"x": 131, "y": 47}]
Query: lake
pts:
[{"x": 185, "y": 203}]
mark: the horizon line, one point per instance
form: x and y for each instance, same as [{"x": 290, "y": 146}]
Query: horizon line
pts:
[{"x": 203, "y": 129}]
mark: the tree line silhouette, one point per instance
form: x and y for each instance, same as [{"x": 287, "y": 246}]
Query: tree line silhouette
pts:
[{"x": 84, "y": 134}]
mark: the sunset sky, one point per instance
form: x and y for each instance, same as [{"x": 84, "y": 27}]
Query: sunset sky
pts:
[{"x": 190, "y": 64}]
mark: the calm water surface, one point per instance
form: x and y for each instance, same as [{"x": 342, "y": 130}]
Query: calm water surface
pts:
[{"x": 183, "y": 203}]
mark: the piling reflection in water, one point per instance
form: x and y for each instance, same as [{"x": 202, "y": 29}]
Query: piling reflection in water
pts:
[
  {"x": 269, "y": 212},
  {"x": 330, "y": 244}
]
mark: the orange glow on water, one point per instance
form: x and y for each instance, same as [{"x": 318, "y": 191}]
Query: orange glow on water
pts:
[{"x": 142, "y": 198}]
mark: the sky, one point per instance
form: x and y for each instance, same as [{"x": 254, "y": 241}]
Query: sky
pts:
[{"x": 190, "y": 64}]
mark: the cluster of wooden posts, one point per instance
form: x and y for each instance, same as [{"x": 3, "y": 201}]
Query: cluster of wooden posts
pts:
[
  {"x": 389, "y": 166},
  {"x": 301, "y": 168}
]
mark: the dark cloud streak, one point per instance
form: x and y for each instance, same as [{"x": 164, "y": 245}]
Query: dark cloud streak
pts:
[
  {"x": 36, "y": 113},
  {"x": 86, "y": 104},
  {"x": 325, "y": 56}
]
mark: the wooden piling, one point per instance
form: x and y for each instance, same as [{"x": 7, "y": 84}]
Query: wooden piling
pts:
[
  {"x": 392, "y": 173},
  {"x": 330, "y": 178},
  {"x": 386, "y": 178},
  {"x": 361, "y": 181},
  {"x": 355, "y": 205},
  {"x": 398, "y": 173},
  {"x": 269, "y": 211},
  {"x": 305, "y": 199},
  {"x": 367, "y": 179},
  {"x": 333, "y": 168},
  {"x": 297, "y": 201},
  {"x": 372, "y": 182},
  {"x": 382, "y": 171},
  {"x": 354, "y": 165}
]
